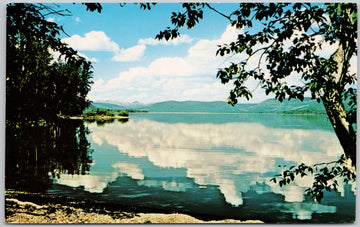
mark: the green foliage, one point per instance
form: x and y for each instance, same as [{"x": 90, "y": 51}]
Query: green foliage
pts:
[
  {"x": 89, "y": 113},
  {"x": 190, "y": 17},
  {"x": 325, "y": 176},
  {"x": 105, "y": 112},
  {"x": 97, "y": 6},
  {"x": 93, "y": 6},
  {"x": 38, "y": 86},
  {"x": 123, "y": 113}
]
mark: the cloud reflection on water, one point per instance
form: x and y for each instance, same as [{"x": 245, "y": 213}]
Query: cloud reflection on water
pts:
[
  {"x": 232, "y": 156},
  {"x": 250, "y": 147}
]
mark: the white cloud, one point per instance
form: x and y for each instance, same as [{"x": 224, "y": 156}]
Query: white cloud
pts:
[
  {"x": 178, "y": 78},
  {"x": 51, "y": 19},
  {"x": 177, "y": 41},
  {"x": 136, "y": 84},
  {"x": 99, "y": 41},
  {"x": 230, "y": 34},
  {"x": 98, "y": 83},
  {"x": 186, "y": 78},
  {"x": 172, "y": 66},
  {"x": 92, "y": 41},
  {"x": 77, "y": 19},
  {"x": 131, "y": 54}
]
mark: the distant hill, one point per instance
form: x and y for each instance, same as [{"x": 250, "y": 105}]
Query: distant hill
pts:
[
  {"x": 294, "y": 106},
  {"x": 110, "y": 106},
  {"x": 194, "y": 106},
  {"x": 130, "y": 105}
]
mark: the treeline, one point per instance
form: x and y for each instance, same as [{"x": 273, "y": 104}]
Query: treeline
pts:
[
  {"x": 45, "y": 78},
  {"x": 40, "y": 86}
]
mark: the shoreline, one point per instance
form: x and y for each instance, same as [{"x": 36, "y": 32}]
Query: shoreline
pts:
[
  {"x": 97, "y": 117},
  {"x": 27, "y": 207}
]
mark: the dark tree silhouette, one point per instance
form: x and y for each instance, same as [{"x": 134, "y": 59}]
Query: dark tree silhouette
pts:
[{"x": 39, "y": 87}]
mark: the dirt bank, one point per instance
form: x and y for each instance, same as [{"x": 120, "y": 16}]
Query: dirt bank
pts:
[{"x": 18, "y": 211}]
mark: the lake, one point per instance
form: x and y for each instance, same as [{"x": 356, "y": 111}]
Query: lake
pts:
[{"x": 213, "y": 165}]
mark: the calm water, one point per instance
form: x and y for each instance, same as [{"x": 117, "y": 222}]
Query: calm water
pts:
[{"x": 211, "y": 164}]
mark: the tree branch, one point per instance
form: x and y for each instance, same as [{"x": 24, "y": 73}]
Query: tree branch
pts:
[{"x": 213, "y": 9}]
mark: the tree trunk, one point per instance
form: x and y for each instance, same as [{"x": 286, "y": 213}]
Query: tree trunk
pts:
[
  {"x": 332, "y": 99},
  {"x": 344, "y": 131}
]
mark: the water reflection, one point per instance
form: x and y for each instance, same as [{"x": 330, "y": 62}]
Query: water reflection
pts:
[
  {"x": 35, "y": 155},
  {"x": 225, "y": 166},
  {"x": 102, "y": 122}
]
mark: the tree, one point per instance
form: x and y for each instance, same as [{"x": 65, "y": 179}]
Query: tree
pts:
[
  {"x": 37, "y": 85},
  {"x": 40, "y": 87}
]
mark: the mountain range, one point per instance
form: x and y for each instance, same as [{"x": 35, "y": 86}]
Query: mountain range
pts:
[{"x": 294, "y": 106}]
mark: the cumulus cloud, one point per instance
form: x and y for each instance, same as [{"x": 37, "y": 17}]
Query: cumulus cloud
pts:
[
  {"x": 98, "y": 83},
  {"x": 132, "y": 85},
  {"x": 177, "y": 41},
  {"x": 131, "y": 54},
  {"x": 92, "y": 41},
  {"x": 177, "y": 78},
  {"x": 187, "y": 78},
  {"x": 99, "y": 41}
]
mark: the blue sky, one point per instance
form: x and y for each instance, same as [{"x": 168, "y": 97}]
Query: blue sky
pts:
[{"x": 130, "y": 65}]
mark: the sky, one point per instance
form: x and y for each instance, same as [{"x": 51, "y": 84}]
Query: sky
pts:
[{"x": 130, "y": 65}]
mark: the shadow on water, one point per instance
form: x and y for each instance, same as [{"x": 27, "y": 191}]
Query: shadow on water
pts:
[{"x": 34, "y": 154}]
